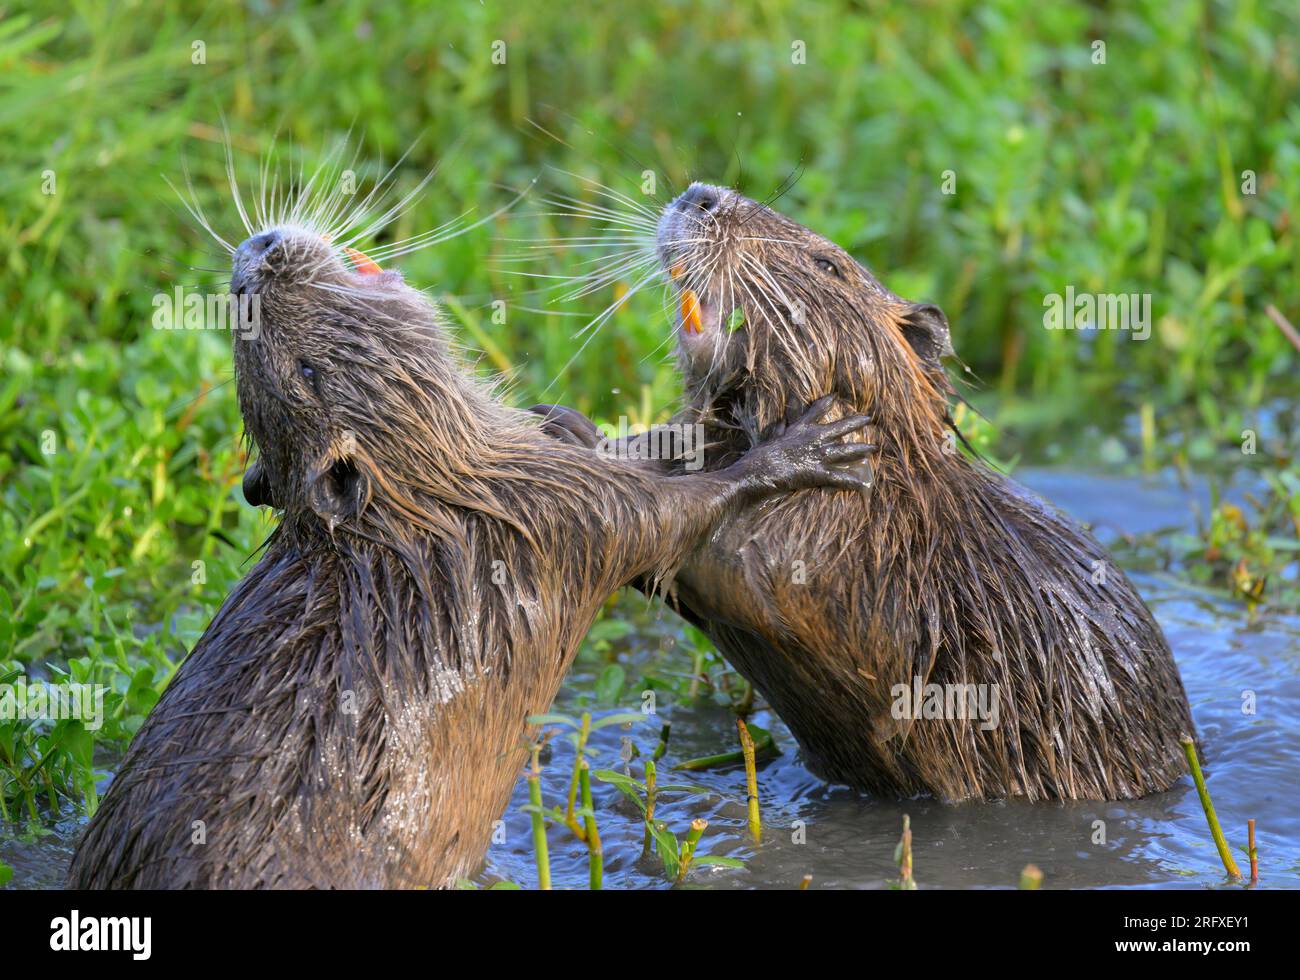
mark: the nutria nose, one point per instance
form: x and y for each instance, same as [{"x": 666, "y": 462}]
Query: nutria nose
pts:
[
  {"x": 257, "y": 246},
  {"x": 699, "y": 196},
  {"x": 248, "y": 259}
]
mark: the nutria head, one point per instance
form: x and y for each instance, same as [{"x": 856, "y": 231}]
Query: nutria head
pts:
[
  {"x": 770, "y": 314},
  {"x": 347, "y": 386}
]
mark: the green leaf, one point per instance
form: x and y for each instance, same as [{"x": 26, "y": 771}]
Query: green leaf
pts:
[
  {"x": 668, "y": 849},
  {"x": 692, "y": 788},
  {"x": 617, "y": 778},
  {"x": 79, "y": 743},
  {"x": 142, "y": 694},
  {"x": 736, "y": 320},
  {"x": 608, "y": 628},
  {"x": 628, "y": 787},
  {"x": 552, "y": 720},
  {"x": 610, "y": 683},
  {"x": 718, "y": 860},
  {"x": 1282, "y": 544},
  {"x": 622, "y": 718},
  {"x": 712, "y": 761}
]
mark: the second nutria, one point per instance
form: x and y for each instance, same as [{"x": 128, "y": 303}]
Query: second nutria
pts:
[
  {"x": 355, "y": 713},
  {"x": 949, "y": 633}
]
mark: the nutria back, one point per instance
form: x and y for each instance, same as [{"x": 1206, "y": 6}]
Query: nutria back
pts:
[{"x": 949, "y": 633}]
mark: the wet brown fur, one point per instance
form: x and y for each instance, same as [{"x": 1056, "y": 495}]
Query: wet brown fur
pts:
[
  {"x": 946, "y": 570},
  {"x": 354, "y": 716}
]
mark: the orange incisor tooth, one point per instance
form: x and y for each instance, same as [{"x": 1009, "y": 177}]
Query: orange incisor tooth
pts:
[
  {"x": 691, "y": 319},
  {"x": 678, "y": 270},
  {"x": 362, "y": 262}
]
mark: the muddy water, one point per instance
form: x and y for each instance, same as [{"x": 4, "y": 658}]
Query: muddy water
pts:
[{"x": 845, "y": 840}]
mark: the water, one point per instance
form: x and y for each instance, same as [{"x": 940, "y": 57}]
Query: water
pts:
[{"x": 845, "y": 840}]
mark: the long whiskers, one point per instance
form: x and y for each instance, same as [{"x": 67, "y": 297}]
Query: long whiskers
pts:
[{"x": 322, "y": 201}]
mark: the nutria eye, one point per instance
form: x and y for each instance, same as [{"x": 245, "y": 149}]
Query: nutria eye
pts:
[
  {"x": 827, "y": 266},
  {"x": 309, "y": 375}
]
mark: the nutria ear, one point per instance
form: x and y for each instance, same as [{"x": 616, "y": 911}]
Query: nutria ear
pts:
[
  {"x": 926, "y": 330},
  {"x": 338, "y": 491}
]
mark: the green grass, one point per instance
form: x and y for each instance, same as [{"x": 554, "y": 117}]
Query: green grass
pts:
[{"x": 119, "y": 445}]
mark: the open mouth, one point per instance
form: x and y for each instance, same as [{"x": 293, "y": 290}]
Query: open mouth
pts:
[{"x": 699, "y": 316}]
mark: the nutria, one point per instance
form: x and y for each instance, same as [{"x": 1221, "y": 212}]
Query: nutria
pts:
[
  {"x": 355, "y": 713},
  {"x": 842, "y": 608}
]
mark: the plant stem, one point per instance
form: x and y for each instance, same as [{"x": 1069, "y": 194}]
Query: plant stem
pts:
[
  {"x": 1031, "y": 878},
  {"x": 570, "y": 820},
  {"x": 539, "y": 833},
  {"x": 651, "y": 776},
  {"x": 745, "y": 707},
  {"x": 52, "y": 794},
  {"x": 688, "y": 846},
  {"x": 1225, "y": 855},
  {"x": 697, "y": 668},
  {"x": 662, "y": 747},
  {"x": 1284, "y": 325},
  {"x": 90, "y": 795},
  {"x": 1254, "y": 855},
  {"x": 905, "y": 880},
  {"x": 539, "y": 824},
  {"x": 751, "y": 780},
  {"x": 595, "y": 854}
]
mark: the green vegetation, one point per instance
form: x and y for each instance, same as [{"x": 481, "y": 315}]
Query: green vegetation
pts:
[
  {"x": 677, "y": 857},
  {"x": 121, "y": 526}
]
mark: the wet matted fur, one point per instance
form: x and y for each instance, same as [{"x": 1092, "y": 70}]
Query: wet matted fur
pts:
[
  {"x": 946, "y": 573},
  {"x": 355, "y": 713}
]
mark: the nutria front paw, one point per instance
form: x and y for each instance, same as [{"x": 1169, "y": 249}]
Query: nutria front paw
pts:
[
  {"x": 568, "y": 425},
  {"x": 805, "y": 453}
]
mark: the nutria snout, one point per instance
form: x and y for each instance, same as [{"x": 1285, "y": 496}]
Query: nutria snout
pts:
[
  {"x": 355, "y": 714},
  {"x": 949, "y": 633},
  {"x": 248, "y": 261}
]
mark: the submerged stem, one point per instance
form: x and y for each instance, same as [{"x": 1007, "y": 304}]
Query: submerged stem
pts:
[
  {"x": 595, "y": 853},
  {"x": 1207, "y": 805},
  {"x": 539, "y": 824},
  {"x": 751, "y": 780}
]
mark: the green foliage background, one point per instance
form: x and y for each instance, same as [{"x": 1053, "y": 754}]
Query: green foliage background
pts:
[{"x": 1117, "y": 177}]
